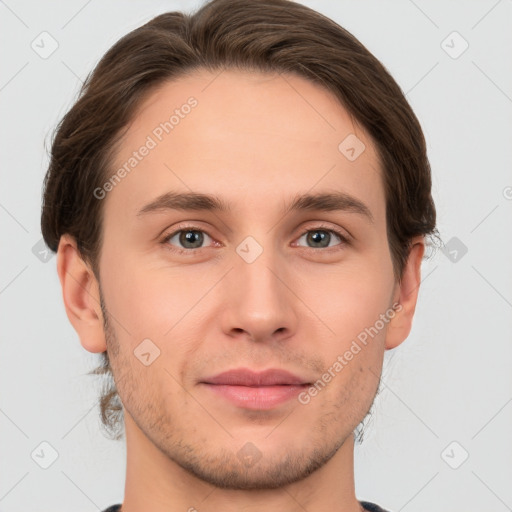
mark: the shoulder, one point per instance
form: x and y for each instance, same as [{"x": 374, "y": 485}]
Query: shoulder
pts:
[{"x": 371, "y": 507}]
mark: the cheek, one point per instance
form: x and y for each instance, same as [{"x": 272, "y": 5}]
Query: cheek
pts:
[
  {"x": 350, "y": 298},
  {"x": 147, "y": 301},
  {"x": 350, "y": 304}
]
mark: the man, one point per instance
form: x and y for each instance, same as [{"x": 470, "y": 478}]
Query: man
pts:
[{"x": 240, "y": 201}]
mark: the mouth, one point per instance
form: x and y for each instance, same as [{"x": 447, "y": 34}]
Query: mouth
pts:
[{"x": 256, "y": 390}]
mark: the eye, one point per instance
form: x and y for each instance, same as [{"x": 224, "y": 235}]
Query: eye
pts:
[
  {"x": 321, "y": 237},
  {"x": 187, "y": 239}
]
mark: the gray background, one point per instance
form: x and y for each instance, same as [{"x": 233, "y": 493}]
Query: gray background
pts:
[{"x": 449, "y": 382}]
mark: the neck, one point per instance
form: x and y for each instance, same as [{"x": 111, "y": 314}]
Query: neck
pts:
[{"x": 155, "y": 482}]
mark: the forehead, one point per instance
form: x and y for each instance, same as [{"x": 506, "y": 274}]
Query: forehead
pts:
[{"x": 244, "y": 136}]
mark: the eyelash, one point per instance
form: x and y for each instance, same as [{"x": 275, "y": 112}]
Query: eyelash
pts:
[{"x": 165, "y": 241}]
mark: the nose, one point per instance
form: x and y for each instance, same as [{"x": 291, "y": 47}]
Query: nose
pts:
[{"x": 259, "y": 303}]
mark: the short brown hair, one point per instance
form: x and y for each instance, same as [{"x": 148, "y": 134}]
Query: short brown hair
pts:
[{"x": 264, "y": 35}]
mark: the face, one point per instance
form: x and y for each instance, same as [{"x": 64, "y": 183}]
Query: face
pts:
[{"x": 195, "y": 291}]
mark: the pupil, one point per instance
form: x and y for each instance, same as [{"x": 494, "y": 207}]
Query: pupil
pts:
[
  {"x": 319, "y": 236},
  {"x": 190, "y": 236}
]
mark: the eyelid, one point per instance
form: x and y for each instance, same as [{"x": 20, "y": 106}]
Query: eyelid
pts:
[
  {"x": 183, "y": 227},
  {"x": 346, "y": 239},
  {"x": 321, "y": 225},
  {"x": 318, "y": 225}
]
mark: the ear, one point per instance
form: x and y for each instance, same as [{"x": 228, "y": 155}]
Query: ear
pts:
[
  {"x": 80, "y": 292},
  {"x": 406, "y": 294}
]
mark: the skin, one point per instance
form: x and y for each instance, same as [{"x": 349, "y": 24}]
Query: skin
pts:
[{"x": 255, "y": 140}]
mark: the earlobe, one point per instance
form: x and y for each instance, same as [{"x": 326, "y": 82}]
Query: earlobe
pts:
[
  {"x": 406, "y": 296},
  {"x": 80, "y": 292}
]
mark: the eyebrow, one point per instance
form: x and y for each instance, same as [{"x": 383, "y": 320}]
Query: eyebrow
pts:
[{"x": 194, "y": 201}]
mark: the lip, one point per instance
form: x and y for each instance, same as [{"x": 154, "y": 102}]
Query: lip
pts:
[
  {"x": 247, "y": 377},
  {"x": 256, "y": 390}
]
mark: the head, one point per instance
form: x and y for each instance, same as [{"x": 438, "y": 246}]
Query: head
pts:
[{"x": 301, "y": 194}]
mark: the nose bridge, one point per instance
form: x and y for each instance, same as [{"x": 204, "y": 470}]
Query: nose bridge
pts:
[
  {"x": 256, "y": 267},
  {"x": 260, "y": 303},
  {"x": 259, "y": 279}
]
